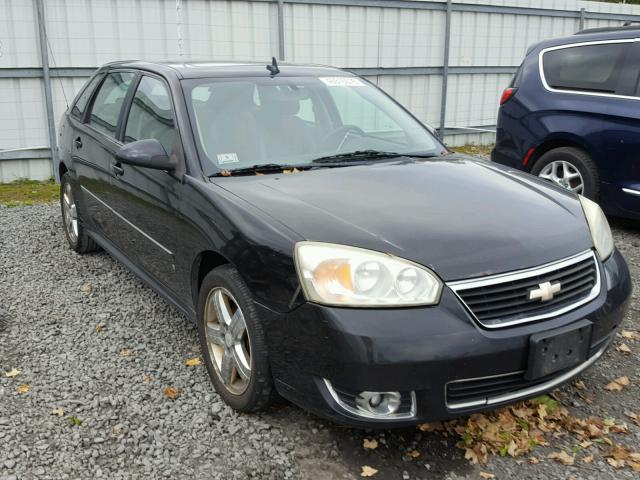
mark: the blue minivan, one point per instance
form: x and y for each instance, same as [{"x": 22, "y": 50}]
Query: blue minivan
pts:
[{"x": 571, "y": 115}]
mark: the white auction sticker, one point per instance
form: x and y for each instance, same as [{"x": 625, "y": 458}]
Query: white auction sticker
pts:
[
  {"x": 342, "y": 81},
  {"x": 227, "y": 158}
]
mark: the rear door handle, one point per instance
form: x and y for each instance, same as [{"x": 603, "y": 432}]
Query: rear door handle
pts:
[
  {"x": 78, "y": 142},
  {"x": 117, "y": 169}
]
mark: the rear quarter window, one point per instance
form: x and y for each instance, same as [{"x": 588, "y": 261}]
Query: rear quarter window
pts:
[
  {"x": 81, "y": 104},
  {"x": 589, "y": 68}
]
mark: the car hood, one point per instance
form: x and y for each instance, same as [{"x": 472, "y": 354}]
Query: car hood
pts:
[{"x": 460, "y": 216}]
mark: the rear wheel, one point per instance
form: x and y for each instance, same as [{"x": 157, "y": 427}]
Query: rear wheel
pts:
[
  {"x": 233, "y": 342},
  {"x": 570, "y": 168},
  {"x": 73, "y": 228}
]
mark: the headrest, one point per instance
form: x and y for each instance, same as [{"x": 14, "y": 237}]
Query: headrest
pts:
[{"x": 280, "y": 100}]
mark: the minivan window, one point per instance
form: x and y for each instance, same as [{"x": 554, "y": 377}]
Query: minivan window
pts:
[
  {"x": 108, "y": 102},
  {"x": 80, "y": 106},
  {"x": 150, "y": 115},
  {"x": 298, "y": 119},
  {"x": 591, "y": 68}
]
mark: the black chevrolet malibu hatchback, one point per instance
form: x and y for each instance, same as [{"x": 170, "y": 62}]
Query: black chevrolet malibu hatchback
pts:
[{"x": 330, "y": 248}]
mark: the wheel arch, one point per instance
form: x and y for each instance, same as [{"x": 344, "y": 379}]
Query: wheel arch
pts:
[
  {"x": 557, "y": 141},
  {"x": 204, "y": 262}
]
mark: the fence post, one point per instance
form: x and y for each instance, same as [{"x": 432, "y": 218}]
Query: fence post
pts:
[
  {"x": 44, "y": 57},
  {"x": 445, "y": 68},
  {"x": 582, "y": 17},
  {"x": 281, "y": 30}
]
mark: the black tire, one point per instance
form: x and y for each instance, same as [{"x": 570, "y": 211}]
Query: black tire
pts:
[
  {"x": 580, "y": 161},
  {"x": 259, "y": 390},
  {"x": 80, "y": 242}
]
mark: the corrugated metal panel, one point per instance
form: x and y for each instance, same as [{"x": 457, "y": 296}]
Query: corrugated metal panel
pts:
[
  {"x": 34, "y": 169},
  {"x": 18, "y": 34},
  {"x": 22, "y": 113}
]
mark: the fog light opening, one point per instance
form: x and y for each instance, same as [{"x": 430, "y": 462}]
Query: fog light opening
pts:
[{"x": 379, "y": 403}]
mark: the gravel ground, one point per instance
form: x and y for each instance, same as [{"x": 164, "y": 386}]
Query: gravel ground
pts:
[{"x": 97, "y": 349}]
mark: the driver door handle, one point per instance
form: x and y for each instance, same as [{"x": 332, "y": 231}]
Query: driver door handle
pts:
[
  {"x": 117, "y": 169},
  {"x": 78, "y": 142}
]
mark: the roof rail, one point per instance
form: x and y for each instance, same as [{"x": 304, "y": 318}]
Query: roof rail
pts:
[{"x": 629, "y": 25}]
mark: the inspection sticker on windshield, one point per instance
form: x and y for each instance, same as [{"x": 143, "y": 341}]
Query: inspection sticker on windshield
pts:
[
  {"x": 342, "y": 81},
  {"x": 227, "y": 158}
]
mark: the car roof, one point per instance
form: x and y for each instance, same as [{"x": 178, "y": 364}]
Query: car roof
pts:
[
  {"x": 208, "y": 68},
  {"x": 590, "y": 35}
]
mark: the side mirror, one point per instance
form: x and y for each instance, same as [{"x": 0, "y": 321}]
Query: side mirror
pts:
[{"x": 146, "y": 153}]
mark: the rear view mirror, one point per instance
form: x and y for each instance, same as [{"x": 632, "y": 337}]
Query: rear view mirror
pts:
[{"x": 146, "y": 153}]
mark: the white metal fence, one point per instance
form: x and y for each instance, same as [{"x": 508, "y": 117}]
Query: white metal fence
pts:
[{"x": 447, "y": 61}]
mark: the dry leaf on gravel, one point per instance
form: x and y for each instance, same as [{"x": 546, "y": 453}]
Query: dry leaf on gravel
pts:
[
  {"x": 370, "y": 444},
  {"x": 624, "y": 348},
  {"x": 580, "y": 385},
  {"x": 23, "y": 388},
  {"x": 147, "y": 378},
  {"x": 368, "y": 471},
  {"x": 630, "y": 335},
  {"x": 617, "y": 464},
  {"x": 58, "y": 411},
  {"x": 99, "y": 328},
  {"x": 171, "y": 393},
  {"x": 87, "y": 288},
  {"x": 14, "y": 372},
  {"x": 634, "y": 417},
  {"x": 618, "y": 384},
  {"x": 487, "y": 475},
  {"x": 587, "y": 459},
  {"x": 534, "y": 460},
  {"x": 414, "y": 454},
  {"x": 125, "y": 352},
  {"x": 193, "y": 362},
  {"x": 562, "y": 457}
]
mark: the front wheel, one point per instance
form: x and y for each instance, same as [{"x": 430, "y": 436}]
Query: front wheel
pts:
[
  {"x": 569, "y": 168},
  {"x": 233, "y": 341}
]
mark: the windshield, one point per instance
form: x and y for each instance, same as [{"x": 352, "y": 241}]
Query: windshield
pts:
[{"x": 255, "y": 121}]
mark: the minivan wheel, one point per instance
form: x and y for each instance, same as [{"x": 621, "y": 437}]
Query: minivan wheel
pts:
[
  {"x": 233, "y": 342},
  {"x": 569, "y": 168},
  {"x": 73, "y": 228}
]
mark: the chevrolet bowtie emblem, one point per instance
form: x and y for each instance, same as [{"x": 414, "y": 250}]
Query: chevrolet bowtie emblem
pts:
[{"x": 545, "y": 291}]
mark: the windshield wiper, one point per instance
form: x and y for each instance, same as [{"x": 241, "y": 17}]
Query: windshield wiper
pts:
[
  {"x": 363, "y": 155},
  {"x": 263, "y": 167}
]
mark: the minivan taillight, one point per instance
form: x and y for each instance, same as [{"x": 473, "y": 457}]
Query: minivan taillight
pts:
[{"x": 507, "y": 94}]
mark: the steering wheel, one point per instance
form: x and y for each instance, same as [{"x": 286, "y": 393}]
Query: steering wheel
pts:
[{"x": 336, "y": 138}]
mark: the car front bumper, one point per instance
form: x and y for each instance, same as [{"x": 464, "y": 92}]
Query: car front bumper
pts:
[{"x": 317, "y": 353}]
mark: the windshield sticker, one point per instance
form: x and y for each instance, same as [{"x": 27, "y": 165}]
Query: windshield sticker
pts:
[
  {"x": 342, "y": 81},
  {"x": 224, "y": 158}
]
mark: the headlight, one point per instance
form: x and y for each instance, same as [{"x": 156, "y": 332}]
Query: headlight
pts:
[
  {"x": 349, "y": 276},
  {"x": 600, "y": 231}
]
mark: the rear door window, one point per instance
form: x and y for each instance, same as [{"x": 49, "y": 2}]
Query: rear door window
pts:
[
  {"x": 589, "y": 68},
  {"x": 150, "y": 115},
  {"x": 108, "y": 102},
  {"x": 80, "y": 106}
]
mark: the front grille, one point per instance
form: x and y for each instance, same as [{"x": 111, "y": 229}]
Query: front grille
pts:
[
  {"x": 504, "y": 299},
  {"x": 465, "y": 393}
]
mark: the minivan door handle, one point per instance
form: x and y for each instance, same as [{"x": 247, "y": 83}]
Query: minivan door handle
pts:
[
  {"x": 117, "y": 169},
  {"x": 78, "y": 142}
]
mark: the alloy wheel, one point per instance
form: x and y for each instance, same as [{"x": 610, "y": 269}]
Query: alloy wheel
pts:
[
  {"x": 70, "y": 213},
  {"x": 564, "y": 174},
  {"x": 228, "y": 340}
]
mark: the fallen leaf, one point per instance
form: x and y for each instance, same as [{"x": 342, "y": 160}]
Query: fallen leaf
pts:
[
  {"x": 634, "y": 417},
  {"x": 125, "y": 352},
  {"x": 617, "y": 464},
  {"x": 87, "y": 288},
  {"x": 171, "y": 393},
  {"x": 580, "y": 385},
  {"x": 225, "y": 173},
  {"x": 368, "y": 471},
  {"x": 430, "y": 427},
  {"x": 586, "y": 444},
  {"x": 75, "y": 421},
  {"x": 624, "y": 348},
  {"x": 14, "y": 372},
  {"x": 635, "y": 466},
  {"x": 533, "y": 460},
  {"x": 291, "y": 170},
  {"x": 193, "y": 362},
  {"x": 487, "y": 475},
  {"x": 147, "y": 378},
  {"x": 99, "y": 328},
  {"x": 370, "y": 444},
  {"x": 259, "y": 174},
  {"x": 618, "y": 384},
  {"x": 634, "y": 456},
  {"x": 23, "y": 388},
  {"x": 630, "y": 335},
  {"x": 562, "y": 457},
  {"x": 414, "y": 454},
  {"x": 58, "y": 411}
]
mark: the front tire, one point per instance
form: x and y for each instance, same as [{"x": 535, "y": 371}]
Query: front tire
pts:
[
  {"x": 232, "y": 341},
  {"x": 570, "y": 168},
  {"x": 76, "y": 235}
]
